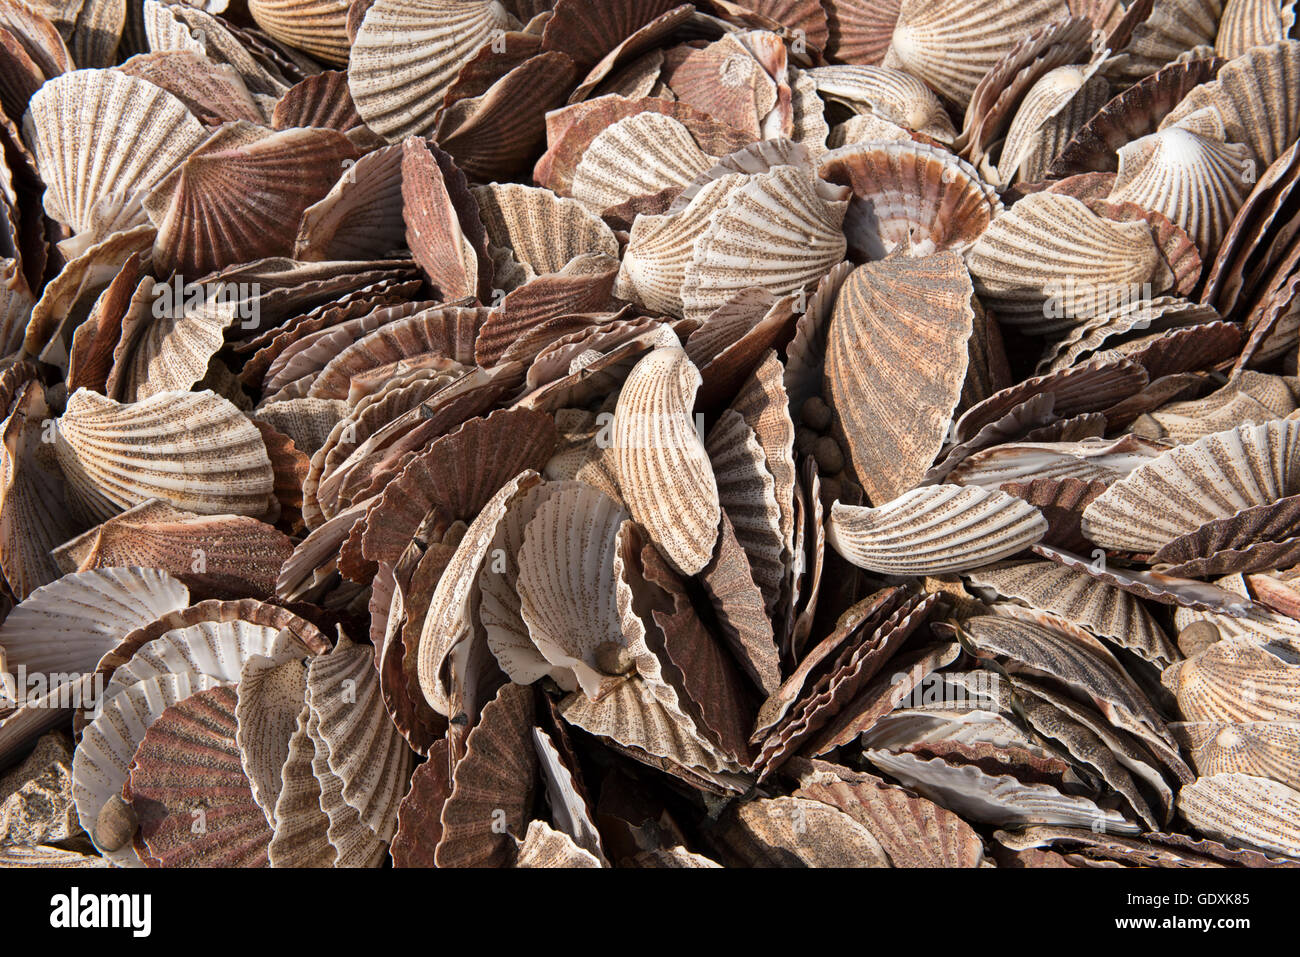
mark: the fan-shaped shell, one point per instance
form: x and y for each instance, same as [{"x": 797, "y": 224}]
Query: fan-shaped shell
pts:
[
  {"x": 1235, "y": 679},
  {"x": 365, "y": 750},
  {"x": 637, "y": 156},
  {"x": 1213, "y": 478},
  {"x": 68, "y": 625},
  {"x": 1262, "y": 748},
  {"x": 103, "y": 758},
  {"x": 1050, "y": 262},
  {"x": 76, "y": 125},
  {"x": 1195, "y": 180},
  {"x": 271, "y": 696},
  {"x": 566, "y": 585},
  {"x": 1244, "y": 809},
  {"x": 891, "y": 95},
  {"x": 318, "y": 27},
  {"x": 951, "y": 45},
  {"x": 544, "y": 231},
  {"x": 781, "y": 231},
  {"x": 1247, "y": 24},
  {"x": 188, "y": 761},
  {"x": 915, "y": 318},
  {"x": 657, "y": 448},
  {"x": 910, "y": 196},
  {"x": 407, "y": 54},
  {"x": 935, "y": 530},
  {"x": 194, "y": 450},
  {"x": 1057, "y": 106},
  {"x": 1258, "y": 97}
]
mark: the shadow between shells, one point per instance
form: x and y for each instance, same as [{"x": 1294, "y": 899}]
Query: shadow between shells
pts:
[{"x": 768, "y": 433}]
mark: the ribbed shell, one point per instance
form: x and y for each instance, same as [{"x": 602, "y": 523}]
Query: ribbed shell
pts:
[
  {"x": 780, "y": 231},
  {"x": 192, "y": 449},
  {"x": 188, "y": 760},
  {"x": 661, "y": 248},
  {"x": 935, "y": 530},
  {"x": 1213, "y": 478},
  {"x": 747, "y": 494},
  {"x": 318, "y": 27},
  {"x": 860, "y": 30},
  {"x": 566, "y": 583},
  {"x": 913, "y": 317},
  {"x": 68, "y": 625},
  {"x": 217, "y": 649},
  {"x": 365, "y": 750},
  {"x": 996, "y": 798},
  {"x": 408, "y": 53},
  {"x": 1266, "y": 749},
  {"x": 796, "y": 832},
  {"x": 910, "y": 196},
  {"x": 1244, "y": 809},
  {"x": 663, "y": 468},
  {"x": 637, "y": 156},
  {"x": 1246, "y": 24},
  {"x": 1258, "y": 96},
  {"x": 1196, "y": 181},
  {"x": 888, "y": 94},
  {"x": 1102, "y": 609},
  {"x": 1171, "y": 29},
  {"x": 202, "y": 213},
  {"x": 951, "y": 45},
  {"x": 103, "y": 758},
  {"x": 301, "y": 827},
  {"x": 546, "y": 232},
  {"x": 914, "y": 832},
  {"x": 1051, "y": 113},
  {"x": 1049, "y": 262},
  {"x": 1235, "y": 679},
  {"x": 271, "y": 696},
  {"x": 77, "y": 124}
]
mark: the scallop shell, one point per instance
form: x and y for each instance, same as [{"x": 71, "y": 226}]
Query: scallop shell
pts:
[
  {"x": 795, "y": 832},
  {"x": 890, "y": 95},
  {"x": 1102, "y": 609},
  {"x": 1247, "y": 24},
  {"x": 1262, "y": 748},
  {"x": 544, "y": 231},
  {"x": 566, "y": 586},
  {"x": 1197, "y": 181},
  {"x": 747, "y": 494},
  {"x": 1185, "y": 488},
  {"x": 637, "y": 156},
  {"x": 492, "y": 786},
  {"x": 429, "y": 41},
  {"x": 1078, "y": 660},
  {"x": 449, "y": 630},
  {"x": 914, "y": 316},
  {"x": 352, "y": 843},
  {"x": 910, "y": 196},
  {"x": 786, "y": 219},
  {"x": 216, "y": 649},
  {"x": 237, "y": 554},
  {"x": 365, "y": 751},
  {"x": 271, "y": 696},
  {"x": 935, "y": 530},
  {"x": 419, "y": 818},
  {"x": 301, "y": 830},
  {"x": 951, "y": 46},
  {"x": 1235, "y": 679},
  {"x": 1172, "y": 28},
  {"x": 1244, "y": 809},
  {"x": 1258, "y": 97},
  {"x": 195, "y": 805},
  {"x": 1049, "y": 116},
  {"x": 214, "y": 92},
  {"x": 173, "y": 435},
  {"x": 33, "y": 506},
  {"x": 543, "y": 846},
  {"x": 996, "y": 798},
  {"x": 318, "y": 27},
  {"x": 1050, "y": 262},
  {"x": 103, "y": 758},
  {"x": 913, "y": 831},
  {"x": 321, "y": 100},
  {"x": 202, "y": 198},
  {"x": 72, "y": 115},
  {"x": 657, "y": 447},
  {"x": 67, "y": 626}
]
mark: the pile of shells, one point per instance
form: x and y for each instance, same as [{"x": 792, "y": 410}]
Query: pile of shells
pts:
[{"x": 616, "y": 433}]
